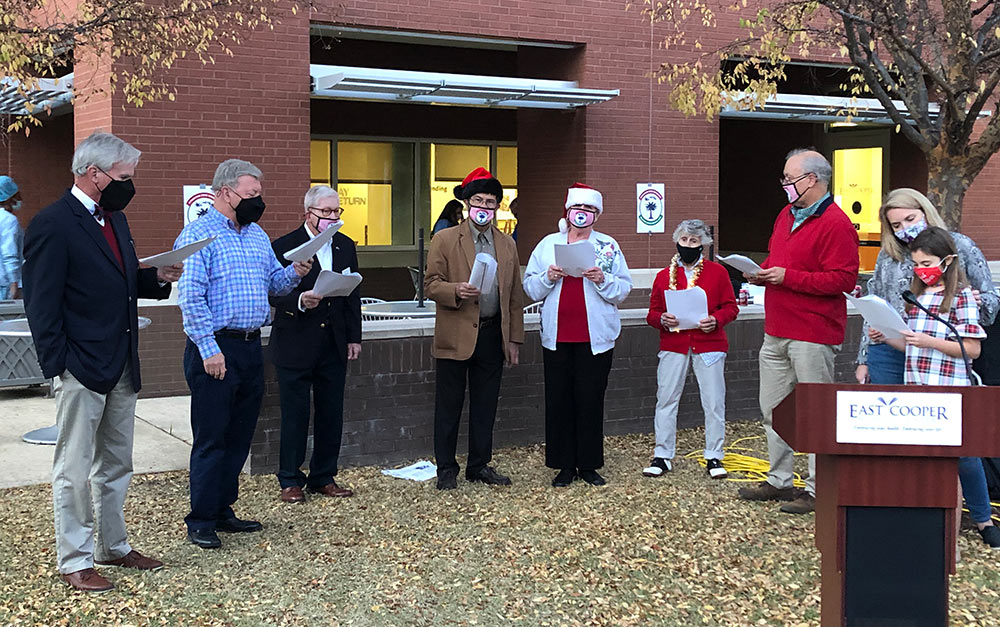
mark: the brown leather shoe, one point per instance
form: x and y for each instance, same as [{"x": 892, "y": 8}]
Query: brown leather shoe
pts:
[
  {"x": 802, "y": 505},
  {"x": 764, "y": 491},
  {"x": 88, "y": 580},
  {"x": 135, "y": 560},
  {"x": 332, "y": 489},
  {"x": 292, "y": 495}
]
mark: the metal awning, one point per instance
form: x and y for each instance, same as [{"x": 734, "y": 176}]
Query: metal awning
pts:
[
  {"x": 54, "y": 94},
  {"x": 358, "y": 83},
  {"x": 806, "y": 108}
]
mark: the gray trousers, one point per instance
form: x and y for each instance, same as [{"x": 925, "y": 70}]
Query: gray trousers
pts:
[
  {"x": 783, "y": 363},
  {"x": 91, "y": 470},
  {"x": 670, "y": 376}
]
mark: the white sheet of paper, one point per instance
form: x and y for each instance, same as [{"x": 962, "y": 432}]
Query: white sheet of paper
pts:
[
  {"x": 171, "y": 257},
  {"x": 307, "y": 250},
  {"x": 484, "y": 272},
  {"x": 417, "y": 471},
  {"x": 880, "y": 315},
  {"x": 741, "y": 263},
  {"x": 690, "y": 306},
  {"x": 335, "y": 283},
  {"x": 575, "y": 258}
]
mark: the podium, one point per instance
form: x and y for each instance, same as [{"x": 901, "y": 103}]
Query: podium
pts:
[{"x": 887, "y": 491}]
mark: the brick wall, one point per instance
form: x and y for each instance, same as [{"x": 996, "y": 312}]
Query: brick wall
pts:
[
  {"x": 389, "y": 404},
  {"x": 39, "y": 163}
]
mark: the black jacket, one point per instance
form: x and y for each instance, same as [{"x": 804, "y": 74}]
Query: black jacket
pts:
[
  {"x": 81, "y": 305},
  {"x": 305, "y": 339}
]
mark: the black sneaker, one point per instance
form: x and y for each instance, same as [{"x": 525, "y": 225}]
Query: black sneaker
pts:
[
  {"x": 991, "y": 536},
  {"x": 715, "y": 469},
  {"x": 658, "y": 467},
  {"x": 591, "y": 477}
]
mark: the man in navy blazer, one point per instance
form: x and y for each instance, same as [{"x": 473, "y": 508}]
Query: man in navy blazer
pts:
[
  {"x": 81, "y": 283},
  {"x": 311, "y": 341}
]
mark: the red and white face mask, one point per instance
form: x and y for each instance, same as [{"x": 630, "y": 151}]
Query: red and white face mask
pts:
[{"x": 932, "y": 274}]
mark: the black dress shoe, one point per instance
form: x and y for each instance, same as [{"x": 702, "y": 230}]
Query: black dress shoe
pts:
[
  {"x": 564, "y": 478},
  {"x": 591, "y": 477},
  {"x": 235, "y": 525},
  {"x": 205, "y": 538},
  {"x": 489, "y": 476},
  {"x": 447, "y": 481}
]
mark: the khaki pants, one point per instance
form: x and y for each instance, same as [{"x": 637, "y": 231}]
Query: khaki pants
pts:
[
  {"x": 92, "y": 468},
  {"x": 670, "y": 377},
  {"x": 783, "y": 363}
]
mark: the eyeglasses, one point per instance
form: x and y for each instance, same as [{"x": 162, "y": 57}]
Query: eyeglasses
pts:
[
  {"x": 586, "y": 208},
  {"x": 486, "y": 204},
  {"x": 784, "y": 180},
  {"x": 326, "y": 212}
]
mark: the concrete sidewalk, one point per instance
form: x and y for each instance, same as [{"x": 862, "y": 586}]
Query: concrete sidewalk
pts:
[{"x": 162, "y": 435}]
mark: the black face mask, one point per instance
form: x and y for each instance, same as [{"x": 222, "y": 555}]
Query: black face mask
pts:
[
  {"x": 116, "y": 195},
  {"x": 689, "y": 254},
  {"x": 249, "y": 210}
]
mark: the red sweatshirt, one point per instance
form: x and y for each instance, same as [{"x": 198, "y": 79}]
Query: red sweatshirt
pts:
[
  {"x": 821, "y": 262},
  {"x": 714, "y": 280}
]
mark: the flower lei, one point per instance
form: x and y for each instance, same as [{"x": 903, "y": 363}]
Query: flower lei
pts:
[{"x": 673, "y": 272}]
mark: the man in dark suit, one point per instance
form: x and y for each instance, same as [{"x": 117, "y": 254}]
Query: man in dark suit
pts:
[
  {"x": 81, "y": 283},
  {"x": 312, "y": 340}
]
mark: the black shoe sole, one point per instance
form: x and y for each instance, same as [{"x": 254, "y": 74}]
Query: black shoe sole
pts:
[{"x": 205, "y": 545}]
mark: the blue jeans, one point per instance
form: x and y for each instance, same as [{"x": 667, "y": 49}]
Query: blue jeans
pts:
[{"x": 885, "y": 367}]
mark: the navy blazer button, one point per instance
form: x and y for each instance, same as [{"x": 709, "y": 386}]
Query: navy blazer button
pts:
[
  {"x": 475, "y": 325},
  {"x": 322, "y": 325}
]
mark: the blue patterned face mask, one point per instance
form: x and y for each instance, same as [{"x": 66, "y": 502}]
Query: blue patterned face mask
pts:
[{"x": 911, "y": 232}]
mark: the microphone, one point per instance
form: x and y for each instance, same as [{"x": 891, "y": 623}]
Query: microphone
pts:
[{"x": 909, "y": 297}]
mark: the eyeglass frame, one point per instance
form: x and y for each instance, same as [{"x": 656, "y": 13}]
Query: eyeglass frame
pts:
[
  {"x": 784, "y": 180},
  {"x": 329, "y": 212}
]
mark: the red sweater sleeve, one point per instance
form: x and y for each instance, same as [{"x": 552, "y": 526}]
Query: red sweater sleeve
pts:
[
  {"x": 839, "y": 255},
  {"x": 727, "y": 309},
  {"x": 656, "y": 304}
]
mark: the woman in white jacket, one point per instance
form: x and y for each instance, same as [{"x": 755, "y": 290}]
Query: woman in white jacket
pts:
[{"x": 580, "y": 324}]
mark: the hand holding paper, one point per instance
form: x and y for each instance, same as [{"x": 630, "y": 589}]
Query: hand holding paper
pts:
[
  {"x": 307, "y": 250},
  {"x": 484, "y": 272},
  {"x": 576, "y": 258},
  {"x": 880, "y": 316},
  {"x": 741, "y": 263},
  {"x": 689, "y": 306},
  {"x": 335, "y": 283},
  {"x": 174, "y": 257}
]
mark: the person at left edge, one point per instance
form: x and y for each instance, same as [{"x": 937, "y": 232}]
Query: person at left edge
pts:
[
  {"x": 312, "y": 339},
  {"x": 82, "y": 283},
  {"x": 11, "y": 238},
  {"x": 224, "y": 301}
]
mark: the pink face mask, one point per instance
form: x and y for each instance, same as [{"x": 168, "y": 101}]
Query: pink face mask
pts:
[
  {"x": 324, "y": 223},
  {"x": 481, "y": 216},
  {"x": 580, "y": 218}
]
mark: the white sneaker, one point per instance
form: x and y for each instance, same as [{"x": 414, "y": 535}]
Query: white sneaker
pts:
[
  {"x": 715, "y": 469},
  {"x": 657, "y": 467}
]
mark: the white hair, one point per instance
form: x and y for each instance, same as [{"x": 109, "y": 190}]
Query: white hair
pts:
[
  {"x": 103, "y": 150},
  {"x": 814, "y": 162},
  {"x": 229, "y": 172},
  {"x": 697, "y": 228},
  {"x": 318, "y": 193}
]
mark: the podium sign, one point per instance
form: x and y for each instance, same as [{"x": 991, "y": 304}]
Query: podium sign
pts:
[{"x": 910, "y": 418}]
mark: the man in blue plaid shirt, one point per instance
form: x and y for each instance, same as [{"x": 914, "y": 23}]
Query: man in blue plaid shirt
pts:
[{"x": 223, "y": 298}]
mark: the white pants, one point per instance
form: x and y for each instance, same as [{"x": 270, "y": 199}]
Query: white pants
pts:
[
  {"x": 783, "y": 363},
  {"x": 92, "y": 467},
  {"x": 670, "y": 376}
]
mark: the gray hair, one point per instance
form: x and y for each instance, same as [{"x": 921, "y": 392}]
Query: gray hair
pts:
[
  {"x": 318, "y": 193},
  {"x": 696, "y": 228},
  {"x": 103, "y": 150},
  {"x": 814, "y": 162},
  {"x": 229, "y": 172}
]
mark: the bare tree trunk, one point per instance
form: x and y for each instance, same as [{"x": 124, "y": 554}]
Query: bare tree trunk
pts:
[{"x": 946, "y": 185}]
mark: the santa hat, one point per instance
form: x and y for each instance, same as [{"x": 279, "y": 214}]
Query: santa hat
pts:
[
  {"x": 580, "y": 194},
  {"x": 479, "y": 181}
]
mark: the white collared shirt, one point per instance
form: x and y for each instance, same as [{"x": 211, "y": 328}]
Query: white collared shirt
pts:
[{"x": 88, "y": 203}]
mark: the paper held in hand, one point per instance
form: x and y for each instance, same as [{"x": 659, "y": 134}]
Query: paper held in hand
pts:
[
  {"x": 879, "y": 315},
  {"x": 575, "y": 258},
  {"x": 306, "y": 251},
  {"x": 335, "y": 283},
  {"x": 690, "y": 306},
  {"x": 484, "y": 272},
  {"x": 741, "y": 263},
  {"x": 172, "y": 257}
]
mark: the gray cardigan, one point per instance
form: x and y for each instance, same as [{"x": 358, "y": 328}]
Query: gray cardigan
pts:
[{"x": 891, "y": 278}]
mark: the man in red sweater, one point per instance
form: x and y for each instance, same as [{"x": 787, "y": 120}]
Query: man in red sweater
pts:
[{"x": 812, "y": 259}]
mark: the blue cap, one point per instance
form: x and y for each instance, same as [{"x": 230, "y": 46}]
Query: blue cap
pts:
[{"x": 7, "y": 188}]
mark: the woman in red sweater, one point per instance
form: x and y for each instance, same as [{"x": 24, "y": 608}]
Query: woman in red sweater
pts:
[{"x": 704, "y": 347}]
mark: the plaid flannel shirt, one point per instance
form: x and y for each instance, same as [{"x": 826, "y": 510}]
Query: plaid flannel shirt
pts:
[
  {"x": 927, "y": 366},
  {"x": 225, "y": 285}
]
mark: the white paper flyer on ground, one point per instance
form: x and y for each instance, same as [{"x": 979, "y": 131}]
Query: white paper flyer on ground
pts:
[
  {"x": 336, "y": 283},
  {"x": 741, "y": 263},
  {"x": 879, "y": 315},
  {"x": 484, "y": 272},
  {"x": 307, "y": 250},
  {"x": 417, "y": 471},
  {"x": 690, "y": 306},
  {"x": 575, "y": 258},
  {"x": 172, "y": 257}
]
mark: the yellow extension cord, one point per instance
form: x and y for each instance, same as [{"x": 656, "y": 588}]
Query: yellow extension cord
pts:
[{"x": 753, "y": 469}]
